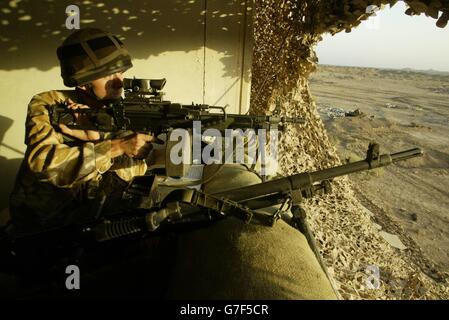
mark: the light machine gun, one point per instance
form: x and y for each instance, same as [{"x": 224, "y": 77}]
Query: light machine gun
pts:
[
  {"x": 144, "y": 110},
  {"x": 184, "y": 205}
]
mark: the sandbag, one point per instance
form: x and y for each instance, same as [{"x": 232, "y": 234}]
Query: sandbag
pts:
[{"x": 234, "y": 260}]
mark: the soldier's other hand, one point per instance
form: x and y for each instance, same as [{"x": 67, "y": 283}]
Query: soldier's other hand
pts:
[
  {"x": 81, "y": 119},
  {"x": 138, "y": 145}
]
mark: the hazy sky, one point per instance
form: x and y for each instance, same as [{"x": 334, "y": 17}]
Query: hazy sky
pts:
[{"x": 390, "y": 40}]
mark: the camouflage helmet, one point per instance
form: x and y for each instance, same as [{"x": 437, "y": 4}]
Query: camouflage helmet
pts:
[{"x": 89, "y": 54}]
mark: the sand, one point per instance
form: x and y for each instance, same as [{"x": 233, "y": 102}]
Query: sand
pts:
[{"x": 401, "y": 110}]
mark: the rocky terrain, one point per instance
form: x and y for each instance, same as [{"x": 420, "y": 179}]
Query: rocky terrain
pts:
[{"x": 409, "y": 202}]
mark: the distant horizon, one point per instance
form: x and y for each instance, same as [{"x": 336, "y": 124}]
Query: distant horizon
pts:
[
  {"x": 389, "y": 40},
  {"x": 384, "y": 68}
]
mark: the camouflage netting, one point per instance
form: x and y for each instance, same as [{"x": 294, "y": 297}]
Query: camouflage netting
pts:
[{"x": 285, "y": 34}]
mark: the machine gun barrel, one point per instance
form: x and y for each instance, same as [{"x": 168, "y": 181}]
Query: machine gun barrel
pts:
[
  {"x": 382, "y": 161},
  {"x": 263, "y": 194}
]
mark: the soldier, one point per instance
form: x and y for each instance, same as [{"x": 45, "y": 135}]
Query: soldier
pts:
[{"x": 63, "y": 169}]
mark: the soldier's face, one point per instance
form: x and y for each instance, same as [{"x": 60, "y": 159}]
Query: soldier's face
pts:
[{"x": 109, "y": 87}]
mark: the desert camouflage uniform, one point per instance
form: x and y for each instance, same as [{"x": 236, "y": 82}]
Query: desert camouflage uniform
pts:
[{"x": 58, "y": 172}]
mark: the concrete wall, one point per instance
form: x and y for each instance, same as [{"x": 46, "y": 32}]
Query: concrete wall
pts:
[{"x": 202, "y": 47}]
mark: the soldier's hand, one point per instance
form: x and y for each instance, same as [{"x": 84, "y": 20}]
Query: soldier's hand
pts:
[
  {"x": 81, "y": 119},
  {"x": 137, "y": 145}
]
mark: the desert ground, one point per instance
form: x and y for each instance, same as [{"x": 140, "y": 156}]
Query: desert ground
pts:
[{"x": 400, "y": 109}]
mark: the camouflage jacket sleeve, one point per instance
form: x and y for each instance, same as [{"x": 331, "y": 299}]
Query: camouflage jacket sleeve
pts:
[
  {"x": 63, "y": 165},
  {"x": 127, "y": 168}
]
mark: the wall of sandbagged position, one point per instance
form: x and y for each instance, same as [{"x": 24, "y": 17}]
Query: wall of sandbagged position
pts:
[{"x": 285, "y": 33}]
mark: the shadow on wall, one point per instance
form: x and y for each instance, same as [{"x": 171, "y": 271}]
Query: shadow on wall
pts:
[
  {"x": 30, "y": 31},
  {"x": 8, "y": 167}
]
